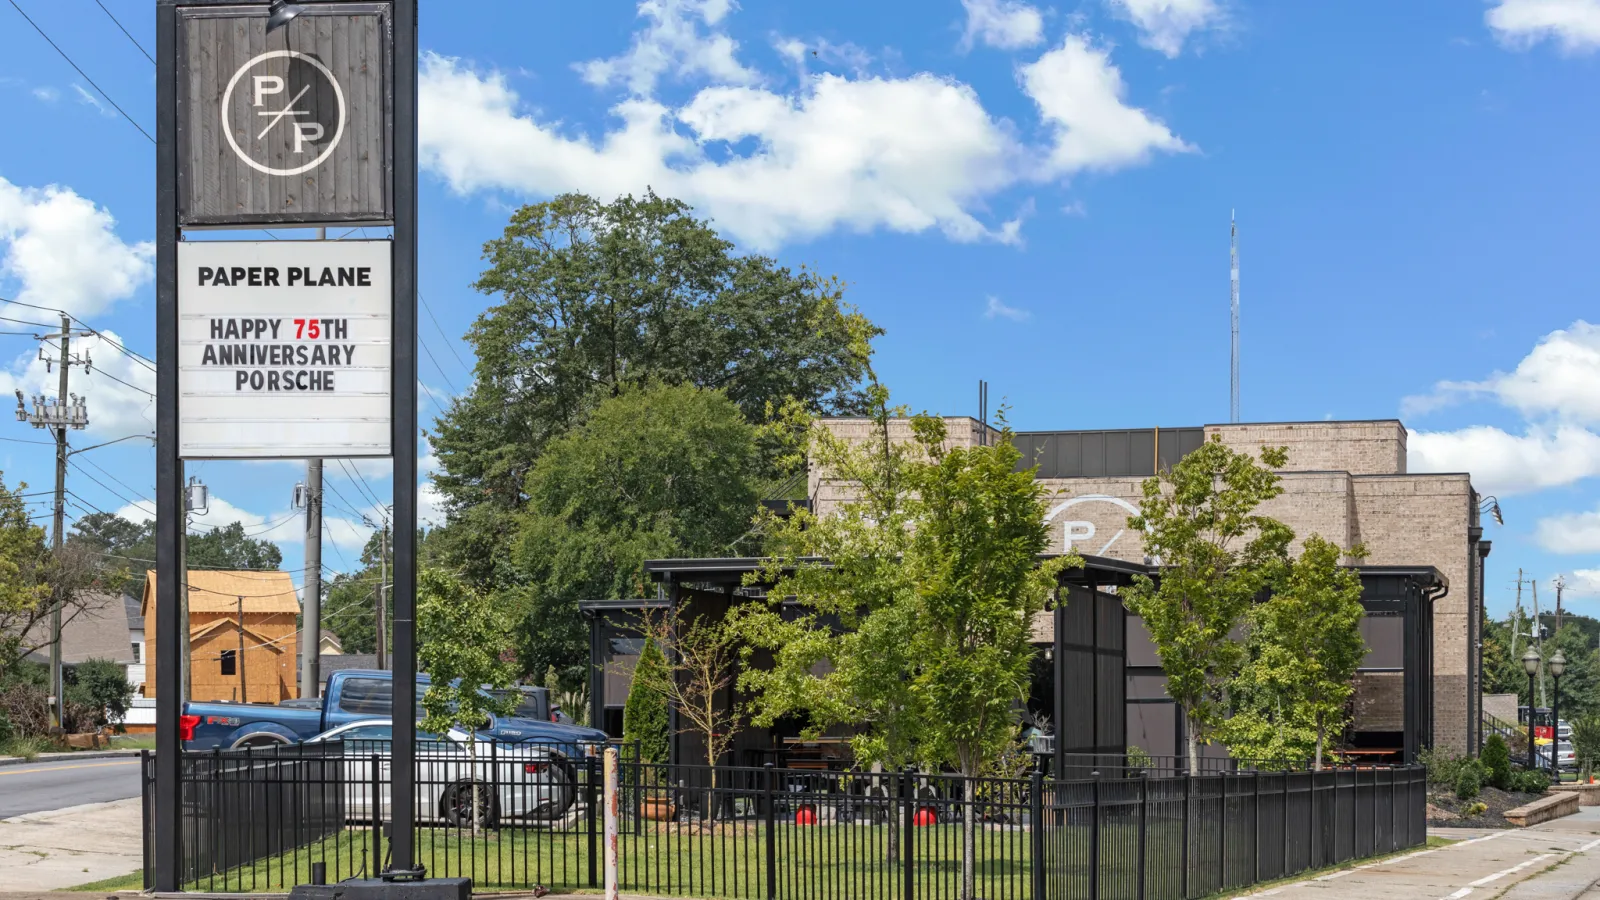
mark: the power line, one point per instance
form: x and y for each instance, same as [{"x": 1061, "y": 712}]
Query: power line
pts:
[
  {"x": 125, "y": 31},
  {"x": 87, "y": 474},
  {"x": 449, "y": 345},
  {"x": 366, "y": 488},
  {"x": 81, "y": 72},
  {"x": 424, "y": 344},
  {"x": 116, "y": 344},
  {"x": 115, "y": 478}
]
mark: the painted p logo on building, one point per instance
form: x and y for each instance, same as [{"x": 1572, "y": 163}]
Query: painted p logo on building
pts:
[
  {"x": 1078, "y": 531},
  {"x": 284, "y": 114}
]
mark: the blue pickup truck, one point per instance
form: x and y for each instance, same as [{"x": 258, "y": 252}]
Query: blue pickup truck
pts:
[{"x": 357, "y": 694}]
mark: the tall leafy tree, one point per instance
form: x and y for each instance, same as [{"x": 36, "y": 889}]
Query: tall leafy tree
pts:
[
  {"x": 597, "y": 297},
  {"x": 1216, "y": 555},
  {"x": 1580, "y": 684},
  {"x": 1304, "y": 647},
  {"x": 231, "y": 547},
  {"x": 656, "y": 471},
  {"x": 25, "y": 589}
]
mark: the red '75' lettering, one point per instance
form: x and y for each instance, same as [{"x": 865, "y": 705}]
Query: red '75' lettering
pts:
[{"x": 307, "y": 328}]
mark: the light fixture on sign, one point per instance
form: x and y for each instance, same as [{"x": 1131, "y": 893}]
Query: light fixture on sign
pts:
[{"x": 279, "y": 14}]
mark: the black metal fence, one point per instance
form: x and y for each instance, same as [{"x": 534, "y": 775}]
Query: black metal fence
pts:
[{"x": 516, "y": 815}]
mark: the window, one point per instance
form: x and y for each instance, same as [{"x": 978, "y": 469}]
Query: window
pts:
[
  {"x": 230, "y": 662},
  {"x": 370, "y": 733},
  {"x": 136, "y": 659},
  {"x": 367, "y": 697}
]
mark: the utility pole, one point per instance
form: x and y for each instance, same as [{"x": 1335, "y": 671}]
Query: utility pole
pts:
[
  {"x": 383, "y": 597},
  {"x": 57, "y": 415},
  {"x": 1560, "y": 583},
  {"x": 244, "y": 696},
  {"x": 311, "y": 604},
  {"x": 1538, "y": 636},
  {"x": 196, "y": 501}
]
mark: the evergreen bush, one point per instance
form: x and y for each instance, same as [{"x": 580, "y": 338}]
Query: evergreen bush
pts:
[
  {"x": 1496, "y": 760},
  {"x": 644, "y": 717}
]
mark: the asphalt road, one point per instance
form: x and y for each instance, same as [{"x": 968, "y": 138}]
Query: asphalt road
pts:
[{"x": 37, "y": 787}]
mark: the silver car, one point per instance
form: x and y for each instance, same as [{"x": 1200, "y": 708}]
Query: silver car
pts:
[{"x": 498, "y": 782}]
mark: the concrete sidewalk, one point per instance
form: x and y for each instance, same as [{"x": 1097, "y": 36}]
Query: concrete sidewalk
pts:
[
  {"x": 1559, "y": 860},
  {"x": 48, "y": 851}
]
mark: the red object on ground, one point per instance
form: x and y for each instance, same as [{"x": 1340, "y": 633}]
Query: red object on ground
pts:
[
  {"x": 805, "y": 816},
  {"x": 924, "y": 818}
]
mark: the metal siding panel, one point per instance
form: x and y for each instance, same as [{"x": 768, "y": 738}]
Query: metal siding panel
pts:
[
  {"x": 1094, "y": 455},
  {"x": 1142, "y": 452},
  {"x": 1069, "y": 455},
  {"x": 1116, "y": 453}
]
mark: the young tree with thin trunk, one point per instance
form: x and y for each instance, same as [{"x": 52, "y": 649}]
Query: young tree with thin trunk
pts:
[
  {"x": 699, "y": 669},
  {"x": 1215, "y": 556},
  {"x": 1305, "y": 644},
  {"x": 463, "y": 634},
  {"x": 934, "y": 576}
]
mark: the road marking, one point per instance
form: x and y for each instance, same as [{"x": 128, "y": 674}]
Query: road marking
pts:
[
  {"x": 120, "y": 762},
  {"x": 1487, "y": 879}
]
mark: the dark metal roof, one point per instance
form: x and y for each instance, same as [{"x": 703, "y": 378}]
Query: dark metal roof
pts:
[{"x": 591, "y": 607}]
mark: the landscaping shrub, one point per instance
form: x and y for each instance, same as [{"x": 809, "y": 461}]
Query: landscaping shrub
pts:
[
  {"x": 644, "y": 716},
  {"x": 1496, "y": 761},
  {"x": 1475, "y": 809},
  {"x": 1469, "y": 781},
  {"x": 1529, "y": 781},
  {"x": 100, "y": 689}
]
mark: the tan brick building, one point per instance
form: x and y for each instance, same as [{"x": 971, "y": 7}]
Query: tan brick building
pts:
[{"x": 1346, "y": 481}]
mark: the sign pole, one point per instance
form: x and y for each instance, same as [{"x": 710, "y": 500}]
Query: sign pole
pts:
[
  {"x": 404, "y": 394},
  {"x": 169, "y": 469}
]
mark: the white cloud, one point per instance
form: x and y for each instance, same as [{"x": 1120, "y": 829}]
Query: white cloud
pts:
[
  {"x": 120, "y": 389},
  {"x": 1573, "y": 24},
  {"x": 675, "y": 43},
  {"x": 1007, "y": 24},
  {"x": 857, "y": 152},
  {"x": 1584, "y": 583},
  {"x": 285, "y": 527},
  {"x": 1502, "y": 463},
  {"x": 47, "y": 94},
  {"x": 1560, "y": 378},
  {"x": 88, "y": 99},
  {"x": 1570, "y": 532},
  {"x": 1165, "y": 24},
  {"x": 994, "y": 309},
  {"x": 905, "y": 154},
  {"x": 1081, "y": 93},
  {"x": 64, "y": 251}
]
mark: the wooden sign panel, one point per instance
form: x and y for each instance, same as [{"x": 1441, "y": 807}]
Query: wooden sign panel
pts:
[{"x": 290, "y": 127}]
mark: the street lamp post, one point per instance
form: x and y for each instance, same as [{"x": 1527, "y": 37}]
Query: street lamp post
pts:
[
  {"x": 1530, "y": 664},
  {"x": 1558, "y": 666}
]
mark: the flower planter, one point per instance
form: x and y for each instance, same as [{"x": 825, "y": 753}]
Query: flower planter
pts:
[{"x": 657, "y": 809}]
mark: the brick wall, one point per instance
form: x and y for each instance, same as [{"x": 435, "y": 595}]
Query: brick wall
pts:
[{"x": 1367, "y": 448}]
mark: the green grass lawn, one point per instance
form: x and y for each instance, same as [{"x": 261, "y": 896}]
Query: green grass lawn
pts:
[{"x": 727, "y": 862}]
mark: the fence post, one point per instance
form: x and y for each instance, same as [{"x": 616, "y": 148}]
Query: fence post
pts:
[
  {"x": 1284, "y": 869},
  {"x": 1188, "y": 794},
  {"x": 1144, "y": 818},
  {"x": 377, "y": 816},
  {"x": 1094, "y": 842},
  {"x": 1256, "y": 840},
  {"x": 767, "y": 802},
  {"x": 611, "y": 801},
  {"x": 1222, "y": 837},
  {"x": 144, "y": 819},
  {"x": 592, "y": 815},
  {"x": 908, "y": 790},
  {"x": 1036, "y": 826}
]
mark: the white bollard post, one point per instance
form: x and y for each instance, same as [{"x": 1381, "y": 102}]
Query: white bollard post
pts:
[{"x": 611, "y": 799}]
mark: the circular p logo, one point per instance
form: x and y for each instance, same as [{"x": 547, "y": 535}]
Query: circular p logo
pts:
[{"x": 283, "y": 112}]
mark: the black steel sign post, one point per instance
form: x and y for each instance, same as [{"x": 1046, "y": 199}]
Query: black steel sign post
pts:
[{"x": 300, "y": 115}]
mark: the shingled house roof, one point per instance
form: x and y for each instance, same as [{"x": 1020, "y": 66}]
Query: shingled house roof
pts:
[{"x": 98, "y": 631}]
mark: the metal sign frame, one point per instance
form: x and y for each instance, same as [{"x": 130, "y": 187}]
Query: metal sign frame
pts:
[
  {"x": 168, "y": 795},
  {"x": 189, "y": 121}
]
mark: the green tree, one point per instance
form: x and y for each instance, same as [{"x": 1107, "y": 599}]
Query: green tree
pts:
[
  {"x": 25, "y": 582},
  {"x": 1580, "y": 684},
  {"x": 462, "y": 635},
  {"x": 230, "y": 547},
  {"x": 1303, "y": 648},
  {"x": 968, "y": 526},
  {"x": 657, "y": 471},
  {"x": 1586, "y": 744},
  {"x": 100, "y": 686},
  {"x": 1216, "y": 555},
  {"x": 126, "y": 550},
  {"x": 350, "y": 608},
  {"x": 644, "y": 716},
  {"x": 595, "y": 298}
]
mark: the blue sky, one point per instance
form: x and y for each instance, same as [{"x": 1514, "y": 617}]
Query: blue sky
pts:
[{"x": 1035, "y": 195}]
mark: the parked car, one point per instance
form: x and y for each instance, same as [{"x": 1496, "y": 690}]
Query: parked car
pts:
[
  {"x": 356, "y": 695},
  {"x": 1566, "y": 758},
  {"x": 513, "y": 781}
]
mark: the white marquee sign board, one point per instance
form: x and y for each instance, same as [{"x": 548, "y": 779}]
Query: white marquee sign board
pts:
[{"x": 284, "y": 349}]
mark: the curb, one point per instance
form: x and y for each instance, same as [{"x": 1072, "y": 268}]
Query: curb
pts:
[{"x": 73, "y": 754}]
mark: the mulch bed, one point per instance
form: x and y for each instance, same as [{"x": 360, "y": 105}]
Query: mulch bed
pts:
[{"x": 1444, "y": 810}]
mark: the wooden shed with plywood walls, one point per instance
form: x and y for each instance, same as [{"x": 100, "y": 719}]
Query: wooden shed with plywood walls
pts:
[{"x": 242, "y": 635}]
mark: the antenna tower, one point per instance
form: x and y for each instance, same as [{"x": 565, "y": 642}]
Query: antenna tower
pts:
[{"x": 1233, "y": 270}]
